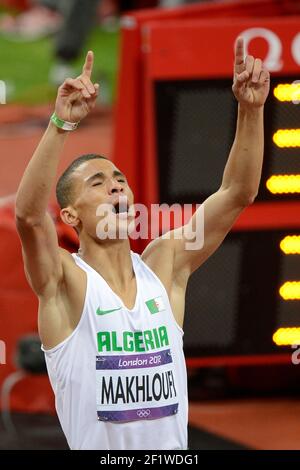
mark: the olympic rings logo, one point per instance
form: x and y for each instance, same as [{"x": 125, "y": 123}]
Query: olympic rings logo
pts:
[
  {"x": 143, "y": 413},
  {"x": 273, "y": 61}
]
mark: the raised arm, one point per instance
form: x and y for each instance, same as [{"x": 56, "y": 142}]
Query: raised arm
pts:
[
  {"x": 242, "y": 173},
  {"x": 42, "y": 259},
  {"x": 238, "y": 189}
]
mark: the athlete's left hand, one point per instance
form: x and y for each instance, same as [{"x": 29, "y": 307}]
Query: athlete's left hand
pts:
[{"x": 251, "y": 80}]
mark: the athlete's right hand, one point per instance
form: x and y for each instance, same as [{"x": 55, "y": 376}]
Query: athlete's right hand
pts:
[{"x": 76, "y": 97}]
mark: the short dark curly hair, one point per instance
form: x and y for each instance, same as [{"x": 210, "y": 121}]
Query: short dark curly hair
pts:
[{"x": 64, "y": 187}]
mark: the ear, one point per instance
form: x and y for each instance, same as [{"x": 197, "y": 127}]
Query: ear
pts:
[{"x": 69, "y": 216}]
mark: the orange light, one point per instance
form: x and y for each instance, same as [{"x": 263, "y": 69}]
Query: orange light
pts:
[
  {"x": 290, "y": 290},
  {"x": 287, "y": 92},
  {"x": 290, "y": 245},
  {"x": 283, "y": 184},
  {"x": 285, "y": 138},
  {"x": 286, "y": 336}
]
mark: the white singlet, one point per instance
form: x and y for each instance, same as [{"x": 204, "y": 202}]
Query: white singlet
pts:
[{"x": 120, "y": 379}]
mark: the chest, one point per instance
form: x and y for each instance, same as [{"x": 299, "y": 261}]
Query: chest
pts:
[
  {"x": 128, "y": 295},
  {"x": 143, "y": 325}
]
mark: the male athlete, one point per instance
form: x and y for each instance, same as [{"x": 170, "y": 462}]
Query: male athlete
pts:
[{"x": 110, "y": 320}]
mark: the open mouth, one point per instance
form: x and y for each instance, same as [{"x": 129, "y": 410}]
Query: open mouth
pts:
[{"x": 121, "y": 207}]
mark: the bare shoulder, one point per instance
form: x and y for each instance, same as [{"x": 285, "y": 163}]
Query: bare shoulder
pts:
[
  {"x": 70, "y": 267},
  {"x": 74, "y": 279},
  {"x": 66, "y": 257},
  {"x": 160, "y": 255},
  {"x": 59, "y": 315}
]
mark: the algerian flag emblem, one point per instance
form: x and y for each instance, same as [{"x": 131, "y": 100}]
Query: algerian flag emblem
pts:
[{"x": 155, "y": 305}]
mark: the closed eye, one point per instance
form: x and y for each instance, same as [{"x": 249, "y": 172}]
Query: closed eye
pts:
[
  {"x": 96, "y": 184},
  {"x": 121, "y": 181}
]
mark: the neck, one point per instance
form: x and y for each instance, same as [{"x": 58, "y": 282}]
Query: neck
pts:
[{"x": 111, "y": 259}]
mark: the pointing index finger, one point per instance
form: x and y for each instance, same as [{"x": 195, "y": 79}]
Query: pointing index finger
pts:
[
  {"x": 239, "y": 52},
  {"x": 88, "y": 65}
]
